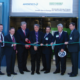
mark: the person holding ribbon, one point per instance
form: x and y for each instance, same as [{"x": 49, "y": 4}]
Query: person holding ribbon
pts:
[
  {"x": 10, "y": 52},
  {"x": 47, "y": 50},
  {"x": 2, "y": 45},
  {"x": 73, "y": 48},
  {"x": 60, "y": 36},
  {"x": 36, "y": 38},
  {"x": 22, "y": 36}
]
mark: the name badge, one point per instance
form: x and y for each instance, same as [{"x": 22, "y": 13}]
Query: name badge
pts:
[
  {"x": 70, "y": 38},
  {"x": 46, "y": 38},
  {"x": 57, "y": 36}
]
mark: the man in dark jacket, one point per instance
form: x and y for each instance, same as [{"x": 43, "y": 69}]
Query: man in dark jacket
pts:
[
  {"x": 35, "y": 37},
  {"x": 1, "y": 46},
  {"x": 10, "y": 52},
  {"x": 22, "y": 36},
  {"x": 47, "y": 50},
  {"x": 60, "y": 37},
  {"x": 73, "y": 49}
]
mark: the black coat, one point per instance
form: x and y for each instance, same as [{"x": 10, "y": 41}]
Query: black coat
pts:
[
  {"x": 20, "y": 38},
  {"x": 47, "y": 40},
  {"x": 32, "y": 38},
  {"x": 8, "y": 48},
  {"x": 74, "y": 37},
  {"x": 62, "y": 39},
  {"x": 10, "y": 55}
]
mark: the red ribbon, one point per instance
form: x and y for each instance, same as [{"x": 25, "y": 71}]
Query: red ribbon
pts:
[{"x": 28, "y": 43}]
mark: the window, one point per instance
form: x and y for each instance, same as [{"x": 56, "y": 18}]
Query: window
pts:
[{"x": 0, "y": 13}]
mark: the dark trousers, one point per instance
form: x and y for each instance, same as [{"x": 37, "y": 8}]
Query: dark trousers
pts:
[
  {"x": 48, "y": 61},
  {"x": 74, "y": 60},
  {"x": 22, "y": 59},
  {"x": 10, "y": 61},
  {"x": 1, "y": 55},
  {"x": 35, "y": 59},
  {"x": 62, "y": 61},
  {"x": 43, "y": 61}
]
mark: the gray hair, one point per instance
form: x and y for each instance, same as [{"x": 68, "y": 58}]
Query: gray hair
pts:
[
  {"x": 60, "y": 25},
  {"x": 36, "y": 25},
  {"x": 23, "y": 22}
]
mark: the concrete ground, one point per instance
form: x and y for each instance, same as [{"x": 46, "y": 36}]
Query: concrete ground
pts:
[{"x": 42, "y": 76}]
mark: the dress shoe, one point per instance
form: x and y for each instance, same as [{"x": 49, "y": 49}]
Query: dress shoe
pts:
[
  {"x": 26, "y": 70},
  {"x": 38, "y": 72},
  {"x": 1, "y": 73},
  {"x": 56, "y": 72},
  {"x": 47, "y": 72},
  {"x": 8, "y": 75},
  {"x": 21, "y": 72},
  {"x": 62, "y": 73},
  {"x": 32, "y": 73},
  {"x": 72, "y": 75},
  {"x": 14, "y": 73},
  {"x": 69, "y": 73},
  {"x": 43, "y": 69}
]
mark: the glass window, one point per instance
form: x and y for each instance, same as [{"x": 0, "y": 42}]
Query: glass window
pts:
[{"x": 0, "y": 13}]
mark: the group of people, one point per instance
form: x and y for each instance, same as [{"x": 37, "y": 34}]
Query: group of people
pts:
[{"x": 9, "y": 48}]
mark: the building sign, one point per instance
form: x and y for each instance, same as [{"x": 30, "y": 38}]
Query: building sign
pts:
[{"x": 42, "y": 6}]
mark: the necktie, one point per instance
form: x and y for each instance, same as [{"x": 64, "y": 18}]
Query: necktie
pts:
[
  {"x": 59, "y": 35},
  {"x": 36, "y": 36},
  {"x": 1, "y": 40},
  {"x": 13, "y": 41},
  {"x": 71, "y": 33},
  {"x": 24, "y": 32}
]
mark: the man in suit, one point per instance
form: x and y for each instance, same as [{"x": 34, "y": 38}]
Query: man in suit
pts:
[
  {"x": 10, "y": 52},
  {"x": 35, "y": 36},
  {"x": 1, "y": 47},
  {"x": 47, "y": 50},
  {"x": 22, "y": 36},
  {"x": 73, "y": 49},
  {"x": 60, "y": 37}
]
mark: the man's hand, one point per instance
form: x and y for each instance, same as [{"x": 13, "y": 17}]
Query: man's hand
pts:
[
  {"x": 14, "y": 44},
  {"x": 35, "y": 48},
  {"x": 66, "y": 43},
  {"x": 51, "y": 43},
  {"x": 62, "y": 50},
  {"x": 16, "y": 51},
  {"x": 0, "y": 41},
  {"x": 41, "y": 44},
  {"x": 26, "y": 45},
  {"x": 26, "y": 39},
  {"x": 46, "y": 45}
]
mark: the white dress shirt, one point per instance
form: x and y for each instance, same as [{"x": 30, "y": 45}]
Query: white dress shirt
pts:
[
  {"x": 3, "y": 38},
  {"x": 24, "y": 31},
  {"x": 12, "y": 39},
  {"x": 46, "y": 35},
  {"x": 11, "y": 36},
  {"x": 60, "y": 33}
]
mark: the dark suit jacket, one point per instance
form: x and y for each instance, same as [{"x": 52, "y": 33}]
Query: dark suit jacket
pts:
[
  {"x": 20, "y": 38},
  {"x": 47, "y": 40},
  {"x": 75, "y": 38},
  {"x": 8, "y": 48},
  {"x": 62, "y": 39},
  {"x": 32, "y": 38}
]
